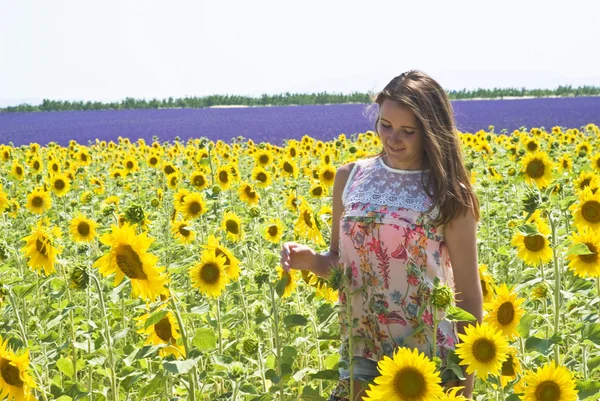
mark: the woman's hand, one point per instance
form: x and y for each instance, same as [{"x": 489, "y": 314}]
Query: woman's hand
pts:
[{"x": 296, "y": 256}]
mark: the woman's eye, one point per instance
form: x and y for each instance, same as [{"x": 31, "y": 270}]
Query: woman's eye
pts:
[
  {"x": 409, "y": 132},
  {"x": 385, "y": 126}
]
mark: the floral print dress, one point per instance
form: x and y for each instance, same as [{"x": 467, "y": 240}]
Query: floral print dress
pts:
[{"x": 393, "y": 253}]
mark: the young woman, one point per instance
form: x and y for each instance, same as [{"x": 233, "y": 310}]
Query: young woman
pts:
[{"x": 401, "y": 219}]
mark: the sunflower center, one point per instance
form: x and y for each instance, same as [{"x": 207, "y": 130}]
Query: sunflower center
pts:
[
  {"x": 565, "y": 164},
  {"x": 83, "y": 228},
  {"x": 249, "y": 192},
  {"x": 59, "y": 184},
  {"x": 410, "y": 384},
  {"x": 163, "y": 330},
  {"x": 232, "y": 226},
  {"x": 153, "y": 161},
  {"x": 307, "y": 219},
  {"x": 484, "y": 289},
  {"x": 129, "y": 164},
  {"x": 591, "y": 211},
  {"x": 36, "y": 165},
  {"x": 219, "y": 252},
  {"x": 585, "y": 183},
  {"x": 484, "y": 350},
  {"x": 508, "y": 369},
  {"x": 272, "y": 230},
  {"x": 37, "y": 201},
  {"x": 262, "y": 177},
  {"x": 194, "y": 208},
  {"x": 169, "y": 169},
  {"x": 223, "y": 176},
  {"x": 19, "y": 170},
  {"x": 328, "y": 175},
  {"x": 287, "y": 167},
  {"x": 591, "y": 258},
  {"x": 129, "y": 262},
  {"x": 199, "y": 181},
  {"x": 55, "y": 167},
  {"x": 184, "y": 231},
  {"x": 264, "y": 159},
  {"x": 534, "y": 243},
  {"x": 10, "y": 374},
  {"x": 40, "y": 246},
  {"x": 535, "y": 169},
  {"x": 318, "y": 191},
  {"x": 506, "y": 313},
  {"x": 83, "y": 157},
  {"x": 532, "y": 146},
  {"x": 293, "y": 152},
  {"x": 210, "y": 273},
  {"x": 547, "y": 391}
]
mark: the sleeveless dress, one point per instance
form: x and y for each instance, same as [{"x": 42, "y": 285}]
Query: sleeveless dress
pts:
[{"x": 393, "y": 253}]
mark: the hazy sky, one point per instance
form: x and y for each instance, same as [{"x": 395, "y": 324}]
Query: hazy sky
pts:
[{"x": 111, "y": 49}]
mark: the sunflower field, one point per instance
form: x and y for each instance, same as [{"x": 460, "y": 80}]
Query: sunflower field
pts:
[{"x": 135, "y": 271}]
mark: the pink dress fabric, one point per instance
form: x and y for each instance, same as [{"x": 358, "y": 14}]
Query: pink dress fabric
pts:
[{"x": 394, "y": 253}]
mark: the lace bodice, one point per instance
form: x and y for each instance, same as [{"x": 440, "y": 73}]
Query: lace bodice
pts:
[{"x": 374, "y": 182}]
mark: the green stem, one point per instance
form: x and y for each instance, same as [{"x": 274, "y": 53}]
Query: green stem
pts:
[
  {"x": 111, "y": 358},
  {"x": 275, "y": 314},
  {"x": 186, "y": 345},
  {"x": 219, "y": 328},
  {"x": 435, "y": 326},
  {"x": 556, "y": 287}
]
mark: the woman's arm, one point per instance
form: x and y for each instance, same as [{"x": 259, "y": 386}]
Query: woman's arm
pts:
[{"x": 461, "y": 238}]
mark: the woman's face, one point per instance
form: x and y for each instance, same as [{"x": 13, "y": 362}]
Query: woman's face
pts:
[{"x": 401, "y": 136}]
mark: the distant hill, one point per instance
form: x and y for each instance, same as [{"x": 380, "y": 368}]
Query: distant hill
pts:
[{"x": 286, "y": 99}]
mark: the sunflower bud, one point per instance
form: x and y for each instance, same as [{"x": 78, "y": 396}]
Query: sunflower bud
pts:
[
  {"x": 512, "y": 171},
  {"x": 135, "y": 215},
  {"x": 334, "y": 280},
  {"x": 86, "y": 197},
  {"x": 352, "y": 149},
  {"x": 3, "y": 251},
  {"x": 442, "y": 296},
  {"x": 532, "y": 201},
  {"x": 236, "y": 370},
  {"x": 540, "y": 291},
  {"x": 79, "y": 278},
  {"x": 250, "y": 345},
  {"x": 254, "y": 211},
  {"x": 216, "y": 190},
  {"x": 154, "y": 202}
]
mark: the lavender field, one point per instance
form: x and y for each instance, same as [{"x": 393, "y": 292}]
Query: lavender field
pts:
[{"x": 274, "y": 124}]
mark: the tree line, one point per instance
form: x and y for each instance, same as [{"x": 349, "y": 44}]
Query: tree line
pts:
[{"x": 287, "y": 98}]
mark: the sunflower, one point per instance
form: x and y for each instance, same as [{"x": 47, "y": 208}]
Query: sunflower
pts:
[
  {"x": 290, "y": 280},
  {"x": 198, "y": 180},
  {"x": 511, "y": 367},
  {"x": 36, "y": 164},
  {"x": 326, "y": 214},
  {"x": 273, "y": 231},
  {"x": 595, "y": 161},
  {"x": 224, "y": 177},
  {"x": 209, "y": 275},
  {"x": 261, "y": 176},
  {"x": 263, "y": 158},
  {"x": 153, "y": 160},
  {"x": 321, "y": 285},
  {"x": 451, "y": 395},
  {"x": 586, "y": 210},
  {"x": 232, "y": 225},
  {"x": 531, "y": 145},
  {"x": 193, "y": 206},
  {"x": 83, "y": 229},
  {"x": 293, "y": 202},
  {"x": 130, "y": 164},
  {"x": 97, "y": 186},
  {"x": 505, "y": 311},
  {"x": 306, "y": 225},
  {"x": 288, "y": 167},
  {"x": 318, "y": 191},
  {"x": 179, "y": 197},
  {"x": 583, "y": 148},
  {"x": 408, "y": 376},
  {"x": 586, "y": 179},
  {"x": 3, "y": 199},
  {"x": 129, "y": 256},
  {"x": 15, "y": 381},
  {"x": 248, "y": 194},
  {"x": 18, "y": 171},
  {"x": 537, "y": 168},
  {"x": 533, "y": 249},
  {"x": 586, "y": 265},
  {"x": 482, "y": 349},
  {"x": 169, "y": 168},
  {"x": 60, "y": 184},
  {"x": 41, "y": 246},
  {"x": 182, "y": 231},
  {"x": 548, "y": 383},
  {"x": 54, "y": 167},
  {"x": 38, "y": 201},
  {"x": 118, "y": 173},
  {"x": 327, "y": 175},
  {"x": 232, "y": 264},
  {"x": 173, "y": 180},
  {"x": 565, "y": 163},
  {"x": 165, "y": 331},
  {"x": 84, "y": 158}
]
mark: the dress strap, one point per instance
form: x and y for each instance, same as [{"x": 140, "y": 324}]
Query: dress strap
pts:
[{"x": 349, "y": 181}]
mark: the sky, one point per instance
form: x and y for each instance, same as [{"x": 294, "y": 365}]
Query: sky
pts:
[{"x": 112, "y": 49}]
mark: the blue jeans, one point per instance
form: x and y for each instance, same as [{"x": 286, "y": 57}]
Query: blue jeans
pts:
[{"x": 364, "y": 369}]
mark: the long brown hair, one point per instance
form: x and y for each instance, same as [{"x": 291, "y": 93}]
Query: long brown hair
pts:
[{"x": 449, "y": 180}]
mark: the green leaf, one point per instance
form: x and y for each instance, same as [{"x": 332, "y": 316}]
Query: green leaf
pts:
[
  {"x": 588, "y": 388},
  {"x": 332, "y": 360},
  {"x": 579, "y": 249},
  {"x": 280, "y": 287},
  {"x": 200, "y": 310},
  {"x": 456, "y": 314},
  {"x": 524, "y": 326},
  {"x": 326, "y": 375},
  {"x": 155, "y": 318},
  {"x": 592, "y": 332},
  {"x": 593, "y": 363},
  {"x": 65, "y": 365},
  {"x": 205, "y": 339},
  {"x": 457, "y": 370},
  {"x": 294, "y": 320},
  {"x": 180, "y": 367},
  {"x": 528, "y": 230},
  {"x": 542, "y": 345},
  {"x": 311, "y": 394}
]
